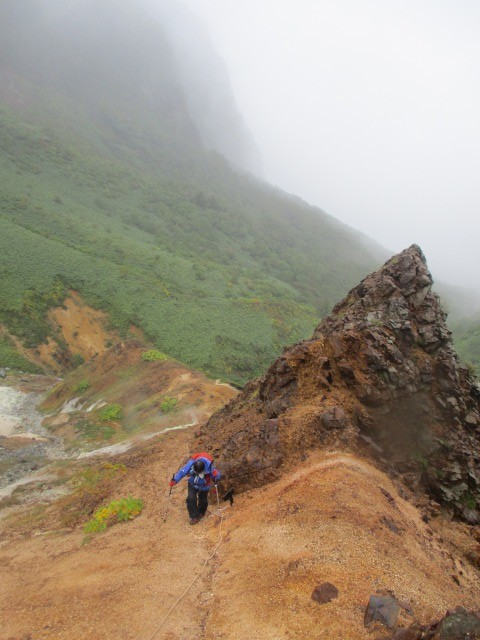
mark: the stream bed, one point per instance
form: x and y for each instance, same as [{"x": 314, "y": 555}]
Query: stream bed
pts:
[{"x": 25, "y": 446}]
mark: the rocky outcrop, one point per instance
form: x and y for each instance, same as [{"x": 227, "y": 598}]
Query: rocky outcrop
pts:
[
  {"x": 455, "y": 625},
  {"x": 379, "y": 372}
]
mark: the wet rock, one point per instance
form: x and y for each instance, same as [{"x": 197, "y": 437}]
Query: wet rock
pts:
[
  {"x": 456, "y": 625},
  {"x": 383, "y": 609},
  {"x": 324, "y": 593},
  {"x": 459, "y": 626}
]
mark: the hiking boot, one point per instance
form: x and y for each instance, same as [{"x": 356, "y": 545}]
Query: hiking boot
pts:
[{"x": 194, "y": 520}]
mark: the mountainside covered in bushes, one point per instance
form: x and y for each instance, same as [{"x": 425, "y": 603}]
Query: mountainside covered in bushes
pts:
[{"x": 112, "y": 188}]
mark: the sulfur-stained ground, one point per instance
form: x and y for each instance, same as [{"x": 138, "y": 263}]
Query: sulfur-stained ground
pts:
[{"x": 334, "y": 519}]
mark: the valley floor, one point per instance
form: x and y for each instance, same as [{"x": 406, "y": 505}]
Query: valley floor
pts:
[{"x": 334, "y": 519}]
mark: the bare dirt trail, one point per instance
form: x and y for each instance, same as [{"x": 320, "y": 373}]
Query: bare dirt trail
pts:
[
  {"x": 335, "y": 519},
  {"x": 122, "y": 584}
]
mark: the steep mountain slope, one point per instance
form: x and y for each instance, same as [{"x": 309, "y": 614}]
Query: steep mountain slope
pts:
[
  {"x": 380, "y": 370},
  {"x": 145, "y": 73},
  {"x": 109, "y": 188},
  {"x": 335, "y": 518},
  {"x": 144, "y": 391},
  {"x": 311, "y": 433}
]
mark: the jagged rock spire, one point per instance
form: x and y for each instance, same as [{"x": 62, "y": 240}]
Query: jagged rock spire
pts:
[{"x": 379, "y": 369}]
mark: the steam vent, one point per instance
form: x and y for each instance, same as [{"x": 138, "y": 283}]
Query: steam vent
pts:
[{"x": 379, "y": 376}]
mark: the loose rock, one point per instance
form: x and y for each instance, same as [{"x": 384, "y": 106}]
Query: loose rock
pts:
[
  {"x": 324, "y": 593},
  {"x": 383, "y": 609}
]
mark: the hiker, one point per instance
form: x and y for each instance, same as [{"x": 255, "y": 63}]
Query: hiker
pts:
[{"x": 201, "y": 473}]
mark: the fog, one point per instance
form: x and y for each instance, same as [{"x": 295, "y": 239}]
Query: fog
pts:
[{"x": 369, "y": 110}]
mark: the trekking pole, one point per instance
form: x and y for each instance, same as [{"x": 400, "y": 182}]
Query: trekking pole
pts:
[
  {"x": 218, "y": 499},
  {"x": 168, "y": 504}
]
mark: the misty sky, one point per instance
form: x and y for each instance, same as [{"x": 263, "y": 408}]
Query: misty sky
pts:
[{"x": 370, "y": 110}]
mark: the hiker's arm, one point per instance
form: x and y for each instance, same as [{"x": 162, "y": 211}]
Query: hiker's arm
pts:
[
  {"x": 181, "y": 473},
  {"x": 216, "y": 475}
]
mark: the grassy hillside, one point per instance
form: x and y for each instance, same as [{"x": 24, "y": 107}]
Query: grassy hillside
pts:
[
  {"x": 466, "y": 334},
  {"x": 220, "y": 283},
  {"x": 111, "y": 197}
]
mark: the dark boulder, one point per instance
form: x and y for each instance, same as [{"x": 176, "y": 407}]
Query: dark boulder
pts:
[
  {"x": 456, "y": 625},
  {"x": 383, "y": 609},
  {"x": 325, "y": 592}
]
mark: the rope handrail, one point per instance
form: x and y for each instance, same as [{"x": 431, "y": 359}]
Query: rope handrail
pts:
[{"x": 179, "y": 599}]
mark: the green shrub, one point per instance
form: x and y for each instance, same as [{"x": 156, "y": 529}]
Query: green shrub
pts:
[
  {"x": 91, "y": 431},
  {"x": 81, "y": 386},
  {"x": 92, "y": 486},
  {"x": 153, "y": 355},
  {"x": 168, "y": 404},
  {"x": 77, "y": 360},
  {"x": 180, "y": 256},
  {"x": 91, "y": 477},
  {"x": 9, "y": 357},
  {"x": 469, "y": 501},
  {"x": 121, "y": 510},
  {"x": 111, "y": 412}
]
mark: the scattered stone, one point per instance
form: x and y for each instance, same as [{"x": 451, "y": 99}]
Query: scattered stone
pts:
[
  {"x": 383, "y": 609},
  {"x": 459, "y": 626},
  {"x": 456, "y": 625},
  {"x": 388, "y": 496},
  {"x": 324, "y": 593},
  {"x": 3, "y": 373},
  {"x": 413, "y": 632},
  {"x": 391, "y": 525},
  {"x": 334, "y": 418}
]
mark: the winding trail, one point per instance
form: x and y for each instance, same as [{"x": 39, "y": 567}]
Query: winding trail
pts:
[{"x": 326, "y": 520}]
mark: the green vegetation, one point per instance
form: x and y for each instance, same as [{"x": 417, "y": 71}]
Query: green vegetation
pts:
[
  {"x": 77, "y": 360},
  {"x": 93, "y": 477},
  {"x": 153, "y": 355},
  {"x": 220, "y": 289},
  {"x": 91, "y": 431},
  {"x": 469, "y": 501},
  {"x": 118, "y": 199},
  {"x": 168, "y": 404},
  {"x": 115, "y": 196},
  {"x": 111, "y": 412},
  {"x": 28, "y": 321},
  {"x": 81, "y": 386},
  {"x": 466, "y": 335},
  {"x": 121, "y": 510},
  {"x": 421, "y": 460},
  {"x": 9, "y": 357},
  {"x": 92, "y": 486}
]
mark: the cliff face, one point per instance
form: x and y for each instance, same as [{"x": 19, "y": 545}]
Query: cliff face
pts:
[
  {"x": 378, "y": 373},
  {"x": 140, "y": 70}
]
